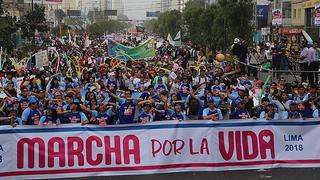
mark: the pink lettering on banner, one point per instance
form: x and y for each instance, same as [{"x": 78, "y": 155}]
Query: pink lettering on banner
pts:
[
  {"x": 60, "y": 154},
  {"x": 239, "y": 141},
  {"x": 174, "y": 147},
  {"x": 74, "y": 147},
  {"x": 115, "y": 149},
  {"x": 72, "y": 152},
  {"x": 89, "y": 150},
  {"x": 30, "y": 143}
]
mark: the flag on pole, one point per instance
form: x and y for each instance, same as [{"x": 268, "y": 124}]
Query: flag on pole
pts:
[
  {"x": 87, "y": 41},
  {"x": 178, "y": 36},
  {"x": 169, "y": 38},
  {"x": 75, "y": 41},
  {"x": 70, "y": 40}
]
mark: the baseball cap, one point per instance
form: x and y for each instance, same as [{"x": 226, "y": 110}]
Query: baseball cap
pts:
[
  {"x": 33, "y": 100},
  {"x": 10, "y": 109},
  {"x": 242, "y": 88},
  {"x": 293, "y": 102},
  {"x": 210, "y": 99},
  {"x": 53, "y": 106},
  {"x": 76, "y": 101}
]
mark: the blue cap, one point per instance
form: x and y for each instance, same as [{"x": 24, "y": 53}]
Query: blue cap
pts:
[
  {"x": 271, "y": 104},
  {"x": 33, "y": 100},
  {"x": 14, "y": 100},
  {"x": 159, "y": 78},
  {"x": 293, "y": 103},
  {"x": 12, "y": 109},
  {"x": 53, "y": 106},
  {"x": 147, "y": 104},
  {"x": 76, "y": 101},
  {"x": 210, "y": 99}
]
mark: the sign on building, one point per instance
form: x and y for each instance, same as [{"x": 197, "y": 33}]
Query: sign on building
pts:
[{"x": 276, "y": 17}]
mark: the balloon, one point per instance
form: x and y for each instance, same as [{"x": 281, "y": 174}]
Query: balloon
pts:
[{"x": 220, "y": 57}]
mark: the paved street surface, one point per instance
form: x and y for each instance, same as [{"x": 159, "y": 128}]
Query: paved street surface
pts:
[{"x": 274, "y": 174}]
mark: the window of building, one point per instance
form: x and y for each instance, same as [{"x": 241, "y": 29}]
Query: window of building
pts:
[
  {"x": 294, "y": 13},
  {"x": 286, "y": 9},
  {"x": 299, "y": 13}
]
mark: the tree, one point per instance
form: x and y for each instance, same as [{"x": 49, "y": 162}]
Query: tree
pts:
[
  {"x": 151, "y": 25},
  {"x": 32, "y": 21},
  {"x": 168, "y": 22},
  {"x": 60, "y": 14},
  {"x": 236, "y": 20},
  {"x": 194, "y": 28},
  {"x": 7, "y": 27},
  {"x": 205, "y": 25},
  {"x": 100, "y": 27}
]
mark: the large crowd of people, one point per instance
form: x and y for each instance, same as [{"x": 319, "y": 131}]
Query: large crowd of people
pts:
[{"x": 178, "y": 83}]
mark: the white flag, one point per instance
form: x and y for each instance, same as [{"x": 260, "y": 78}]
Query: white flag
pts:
[
  {"x": 87, "y": 41},
  {"x": 178, "y": 36},
  {"x": 75, "y": 41},
  {"x": 169, "y": 38},
  {"x": 70, "y": 40}
]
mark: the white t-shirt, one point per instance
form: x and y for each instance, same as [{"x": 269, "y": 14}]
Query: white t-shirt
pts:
[
  {"x": 311, "y": 55},
  {"x": 304, "y": 53}
]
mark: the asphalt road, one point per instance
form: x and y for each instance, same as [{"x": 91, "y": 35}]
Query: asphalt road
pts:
[{"x": 274, "y": 174}]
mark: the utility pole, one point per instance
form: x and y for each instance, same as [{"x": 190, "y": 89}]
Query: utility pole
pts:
[{"x": 34, "y": 36}]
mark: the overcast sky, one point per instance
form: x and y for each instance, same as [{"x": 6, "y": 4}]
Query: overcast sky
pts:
[{"x": 136, "y": 9}]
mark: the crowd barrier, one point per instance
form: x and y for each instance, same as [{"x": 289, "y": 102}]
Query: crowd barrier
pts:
[{"x": 31, "y": 152}]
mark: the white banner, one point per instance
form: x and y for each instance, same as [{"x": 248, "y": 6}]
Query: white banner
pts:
[
  {"x": 317, "y": 15},
  {"x": 79, "y": 151},
  {"x": 277, "y": 17},
  {"x": 42, "y": 59}
]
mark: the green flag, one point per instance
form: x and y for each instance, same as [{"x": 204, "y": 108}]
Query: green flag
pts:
[{"x": 119, "y": 51}]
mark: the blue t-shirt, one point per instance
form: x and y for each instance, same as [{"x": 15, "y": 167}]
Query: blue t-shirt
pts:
[
  {"x": 273, "y": 116},
  {"x": 145, "y": 117},
  {"x": 31, "y": 117},
  {"x": 45, "y": 120},
  {"x": 171, "y": 115},
  {"x": 240, "y": 114},
  {"x": 144, "y": 95},
  {"x": 291, "y": 115},
  {"x": 316, "y": 113},
  {"x": 161, "y": 87},
  {"x": 208, "y": 111},
  {"x": 112, "y": 85},
  {"x": 24, "y": 103},
  {"x": 103, "y": 118},
  {"x": 74, "y": 117},
  {"x": 126, "y": 111}
]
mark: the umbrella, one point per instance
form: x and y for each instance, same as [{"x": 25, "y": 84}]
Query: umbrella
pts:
[{"x": 306, "y": 35}]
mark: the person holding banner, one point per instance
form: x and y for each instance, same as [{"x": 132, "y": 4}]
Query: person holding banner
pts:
[
  {"x": 127, "y": 107},
  {"x": 13, "y": 118},
  {"x": 176, "y": 113},
  {"x": 270, "y": 113},
  {"x": 293, "y": 112},
  {"x": 240, "y": 112},
  {"x": 145, "y": 113},
  {"x": 75, "y": 115},
  {"x": 104, "y": 116},
  {"x": 31, "y": 115},
  {"x": 212, "y": 113},
  {"x": 316, "y": 111},
  {"x": 51, "y": 117}
]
